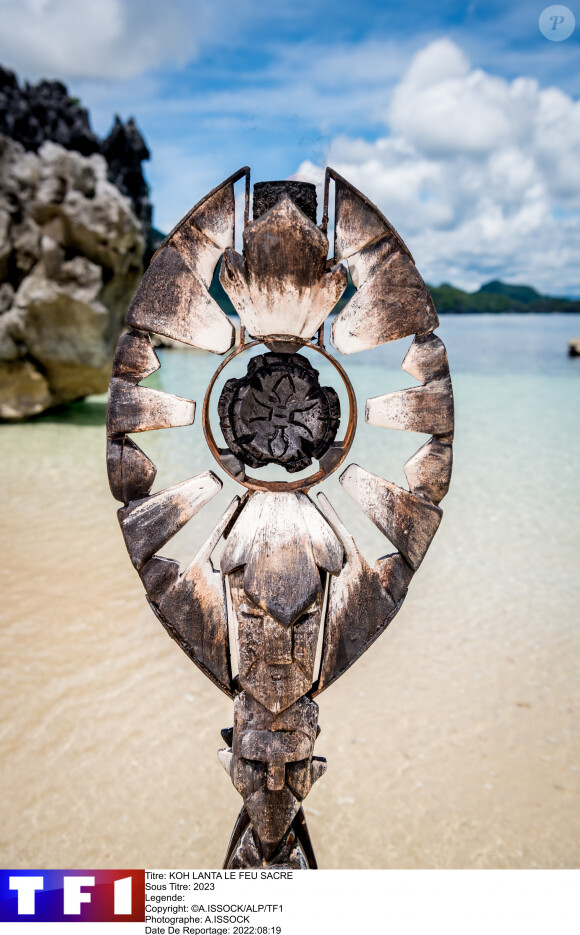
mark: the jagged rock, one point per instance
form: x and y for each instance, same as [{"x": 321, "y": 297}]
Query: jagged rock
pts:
[
  {"x": 125, "y": 149},
  {"x": 75, "y": 219},
  {"x": 36, "y": 114},
  {"x": 75, "y": 223},
  {"x": 71, "y": 250}
]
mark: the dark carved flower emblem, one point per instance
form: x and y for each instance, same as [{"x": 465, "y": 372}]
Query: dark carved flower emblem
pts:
[{"x": 278, "y": 413}]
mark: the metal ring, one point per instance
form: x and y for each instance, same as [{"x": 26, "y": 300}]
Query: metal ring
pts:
[{"x": 252, "y": 483}]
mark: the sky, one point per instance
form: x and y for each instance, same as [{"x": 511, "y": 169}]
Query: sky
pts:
[{"x": 461, "y": 121}]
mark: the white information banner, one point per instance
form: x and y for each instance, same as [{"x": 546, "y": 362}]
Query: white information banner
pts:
[{"x": 344, "y": 902}]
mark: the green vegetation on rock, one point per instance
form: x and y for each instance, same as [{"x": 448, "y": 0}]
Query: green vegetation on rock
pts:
[{"x": 497, "y": 297}]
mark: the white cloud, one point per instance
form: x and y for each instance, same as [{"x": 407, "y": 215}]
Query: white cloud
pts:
[
  {"x": 481, "y": 175},
  {"x": 442, "y": 106},
  {"x": 107, "y": 39}
]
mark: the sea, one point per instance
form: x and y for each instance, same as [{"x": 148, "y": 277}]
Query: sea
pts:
[{"x": 452, "y": 743}]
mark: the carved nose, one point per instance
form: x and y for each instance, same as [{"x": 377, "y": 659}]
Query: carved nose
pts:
[
  {"x": 276, "y": 775},
  {"x": 277, "y": 646}
]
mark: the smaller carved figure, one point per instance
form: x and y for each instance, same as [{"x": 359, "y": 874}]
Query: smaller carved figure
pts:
[{"x": 270, "y": 763}]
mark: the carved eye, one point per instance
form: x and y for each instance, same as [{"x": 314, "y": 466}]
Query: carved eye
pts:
[{"x": 297, "y": 776}]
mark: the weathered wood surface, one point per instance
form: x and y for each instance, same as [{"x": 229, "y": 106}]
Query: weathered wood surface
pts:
[
  {"x": 276, "y": 748},
  {"x": 327, "y": 547},
  {"x": 391, "y": 303},
  {"x": 214, "y": 215},
  {"x": 426, "y": 409},
  {"x": 135, "y": 358},
  {"x": 408, "y": 521},
  {"x": 392, "y": 300},
  {"x": 225, "y": 759},
  {"x": 283, "y": 268},
  {"x": 231, "y": 464},
  {"x": 276, "y": 662},
  {"x": 158, "y": 575},
  {"x": 271, "y": 815},
  {"x": 357, "y": 222},
  {"x": 332, "y": 458},
  {"x": 428, "y": 471},
  {"x": 271, "y": 539},
  {"x": 245, "y": 850},
  {"x": 193, "y": 609},
  {"x": 198, "y": 251},
  {"x": 426, "y": 359},
  {"x": 149, "y": 523},
  {"x": 239, "y": 541},
  {"x": 359, "y": 608},
  {"x": 369, "y": 260},
  {"x": 271, "y": 764},
  {"x": 300, "y": 829},
  {"x": 281, "y": 576},
  {"x": 131, "y": 472},
  {"x": 394, "y": 574},
  {"x": 141, "y": 409},
  {"x": 173, "y": 298}
]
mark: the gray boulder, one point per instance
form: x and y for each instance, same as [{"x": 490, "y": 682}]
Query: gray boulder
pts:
[{"x": 71, "y": 255}]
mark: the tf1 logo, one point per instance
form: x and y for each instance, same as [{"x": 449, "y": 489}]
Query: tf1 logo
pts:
[{"x": 72, "y": 895}]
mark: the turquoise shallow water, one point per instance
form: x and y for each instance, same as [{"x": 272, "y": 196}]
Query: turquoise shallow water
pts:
[
  {"x": 517, "y": 416},
  {"x": 453, "y": 742}
]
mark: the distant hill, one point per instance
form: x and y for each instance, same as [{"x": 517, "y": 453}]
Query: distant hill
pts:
[{"x": 497, "y": 297}]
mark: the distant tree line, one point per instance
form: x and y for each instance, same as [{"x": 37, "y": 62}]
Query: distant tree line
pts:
[{"x": 497, "y": 297}]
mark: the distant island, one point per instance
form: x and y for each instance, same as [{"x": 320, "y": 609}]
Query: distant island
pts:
[{"x": 498, "y": 297}]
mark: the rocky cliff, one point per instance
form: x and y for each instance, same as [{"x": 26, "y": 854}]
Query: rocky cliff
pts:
[
  {"x": 71, "y": 251},
  {"x": 75, "y": 225},
  {"x": 37, "y": 113}
]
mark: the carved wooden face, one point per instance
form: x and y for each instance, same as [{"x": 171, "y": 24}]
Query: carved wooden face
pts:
[
  {"x": 276, "y": 661},
  {"x": 272, "y": 765}
]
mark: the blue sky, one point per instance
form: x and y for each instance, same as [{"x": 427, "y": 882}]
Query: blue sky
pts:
[{"x": 461, "y": 120}]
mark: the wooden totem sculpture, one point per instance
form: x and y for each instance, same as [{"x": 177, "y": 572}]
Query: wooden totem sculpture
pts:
[{"x": 291, "y": 566}]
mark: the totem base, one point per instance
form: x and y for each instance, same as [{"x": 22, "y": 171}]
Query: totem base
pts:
[{"x": 295, "y": 851}]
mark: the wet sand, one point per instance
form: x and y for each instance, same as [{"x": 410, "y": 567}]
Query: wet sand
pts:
[{"x": 453, "y": 743}]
